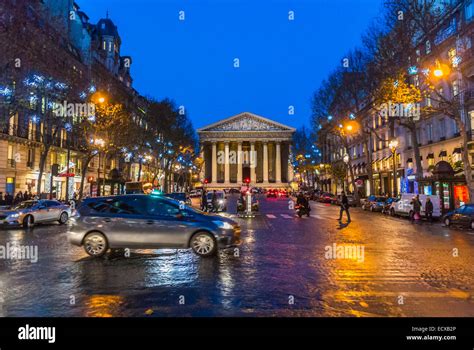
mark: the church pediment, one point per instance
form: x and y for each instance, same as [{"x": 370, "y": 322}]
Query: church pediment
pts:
[{"x": 246, "y": 122}]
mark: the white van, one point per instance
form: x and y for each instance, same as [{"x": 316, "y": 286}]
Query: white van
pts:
[{"x": 403, "y": 206}]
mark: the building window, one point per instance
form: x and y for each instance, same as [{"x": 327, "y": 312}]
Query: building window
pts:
[
  {"x": 455, "y": 127},
  {"x": 428, "y": 101},
  {"x": 469, "y": 10},
  {"x": 442, "y": 128},
  {"x": 31, "y": 158},
  {"x": 455, "y": 87},
  {"x": 104, "y": 45},
  {"x": 429, "y": 132},
  {"x": 428, "y": 47},
  {"x": 409, "y": 140},
  {"x": 10, "y": 156},
  {"x": 110, "y": 46}
]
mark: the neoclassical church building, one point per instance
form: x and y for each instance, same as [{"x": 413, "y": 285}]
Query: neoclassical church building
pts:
[{"x": 246, "y": 148}]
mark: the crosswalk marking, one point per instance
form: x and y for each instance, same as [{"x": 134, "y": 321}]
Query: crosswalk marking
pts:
[
  {"x": 316, "y": 216},
  {"x": 271, "y": 216},
  {"x": 286, "y": 216}
]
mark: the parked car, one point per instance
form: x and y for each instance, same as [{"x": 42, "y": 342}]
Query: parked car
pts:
[
  {"x": 403, "y": 206},
  {"x": 180, "y": 197},
  {"x": 462, "y": 216},
  {"x": 221, "y": 200},
  {"x": 29, "y": 213},
  {"x": 147, "y": 222},
  {"x": 374, "y": 203},
  {"x": 327, "y": 197}
]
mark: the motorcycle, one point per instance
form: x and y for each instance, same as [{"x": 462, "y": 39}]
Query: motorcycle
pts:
[{"x": 302, "y": 210}]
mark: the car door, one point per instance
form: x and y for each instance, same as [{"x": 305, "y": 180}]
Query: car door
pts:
[
  {"x": 456, "y": 218},
  {"x": 466, "y": 216},
  {"x": 170, "y": 227},
  {"x": 53, "y": 210},
  {"x": 41, "y": 212}
]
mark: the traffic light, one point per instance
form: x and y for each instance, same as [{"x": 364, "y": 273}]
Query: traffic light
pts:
[
  {"x": 206, "y": 181},
  {"x": 247, "y": 180}
]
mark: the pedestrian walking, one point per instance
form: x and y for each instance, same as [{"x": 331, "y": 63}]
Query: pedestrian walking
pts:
[
  {"x": 429, "y": 210},
  {"x": 18, "y": 198},
  {"x": 204, "y": 200},
  {"x": 8, "y": 199},
  {"x": 344, "y": 207},
  {"x": 416, "y": 209},
  {"x": 214, "y": 201},
  {"x": 2, "y": 200}
]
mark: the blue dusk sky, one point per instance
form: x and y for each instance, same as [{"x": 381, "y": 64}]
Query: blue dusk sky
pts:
[{"x": 282, "y": 62}]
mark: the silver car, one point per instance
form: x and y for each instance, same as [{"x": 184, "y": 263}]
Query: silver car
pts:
[
  {"x": 147, "y": 222},
  {"x": 29, "y": 213}
]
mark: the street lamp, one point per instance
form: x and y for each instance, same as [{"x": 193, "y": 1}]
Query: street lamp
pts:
[
  {"x": 393, "y": 144},
  {"x": 346, "y": 161}
]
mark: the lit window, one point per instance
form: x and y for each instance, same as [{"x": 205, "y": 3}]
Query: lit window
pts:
[{"x": 428, "y": 47}]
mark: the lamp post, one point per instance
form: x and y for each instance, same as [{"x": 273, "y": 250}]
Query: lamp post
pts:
[
  {"x": 393, "y": 144},
  {"x": 346, "y": 161}
]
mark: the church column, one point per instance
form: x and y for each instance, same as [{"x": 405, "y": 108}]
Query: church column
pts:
[
  {"x": 278, "y": 164},
  {"x": 253, "y": 163},
  {"x": 214, "y": 162},
  {"x": 265, "y": 162},
  {"x": 290, "y": 167},
  {"x": 202, "y": 174},
  {"x": 239, "y": 163},
  {"x": 226, "y": 164}
]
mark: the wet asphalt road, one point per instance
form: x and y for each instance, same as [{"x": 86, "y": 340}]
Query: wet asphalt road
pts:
[{"x": 281, "y": 269}]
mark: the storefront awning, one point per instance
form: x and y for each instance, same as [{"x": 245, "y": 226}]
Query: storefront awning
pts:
[
  {"x": 457, "y": 150},
  {"x": 430, "y": 156},
  {"x": 443, "y": 154}
]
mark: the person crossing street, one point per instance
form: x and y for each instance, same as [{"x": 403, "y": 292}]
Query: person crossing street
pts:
[{"x": 344, "y": 207}]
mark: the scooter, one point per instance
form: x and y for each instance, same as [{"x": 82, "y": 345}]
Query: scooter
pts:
[{"x": 302, "y": 210}]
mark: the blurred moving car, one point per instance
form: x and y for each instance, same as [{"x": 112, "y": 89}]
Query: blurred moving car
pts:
[
  {"x": 374, "y": 203},
  {"x": 147, "y": 222},
  {"x": 180, "y": 197},
  {"x": 221, "y": 201},
  {"x": 29, "y": 213},
  {"x": 462, "y": 216}
]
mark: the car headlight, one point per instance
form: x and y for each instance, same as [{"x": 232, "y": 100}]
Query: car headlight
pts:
[
  {"x": 13, "y": 216},
  {"x": 221, "y": 201},
  {"x": 223, "y": 224}
]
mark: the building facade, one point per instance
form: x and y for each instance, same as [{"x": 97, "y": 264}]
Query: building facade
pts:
[{"x": 246, "y": 148}]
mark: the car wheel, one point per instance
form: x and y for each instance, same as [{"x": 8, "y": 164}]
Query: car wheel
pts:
[
  {"x": 95, "y": 244},
  {"x": 28, "y": 221},
  {"x": 392, "y": 212},
  {"x": 63, "y": 218},
  {"x": 447, "y": 222},
  {"x": 372, "y": 209},
  {"x": 203, "y": 244}
]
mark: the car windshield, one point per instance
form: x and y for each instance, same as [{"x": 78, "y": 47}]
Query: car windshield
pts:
[{"x": 25, "y": 205}]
